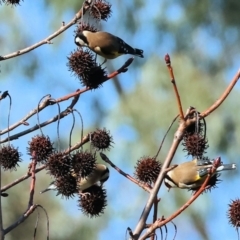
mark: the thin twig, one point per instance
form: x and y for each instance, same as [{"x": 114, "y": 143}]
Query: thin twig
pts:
[
  {"x": 71, "y": 130},
  {"x": 37, "y": 126},
  {"x": 24, "y": 177},
  {"x": 23, "y": 121},
  {"x": 36, "y": 225},
  {"x": 21, "y": 219},
  {"x": 222, "y": 97},
  {"x": 78, "y": 145},
  {"x": 47, "y": 220},
  {"x": 160, "y": 147},
  {"x": 81, "y": 122},
  {"x": 122, "y": 69},
  {"x": 173, "y": 81},
  {"x": 33, "y": 182},
  {"x": 106, "y": 159},
  {"x": 48, "y": 39}
]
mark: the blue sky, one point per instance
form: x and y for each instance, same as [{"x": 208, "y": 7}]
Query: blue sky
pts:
[{"x": 53, "y": 77}]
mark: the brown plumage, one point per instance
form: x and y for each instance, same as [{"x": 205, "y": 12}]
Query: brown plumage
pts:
[{"x": 105, "y": 44}]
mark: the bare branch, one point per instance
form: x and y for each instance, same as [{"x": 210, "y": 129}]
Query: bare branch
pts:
[
  {"x": 222, "y": 97},
  {"x": 176, "y": 141},
  {"x": 32, "y": 187},
  {"x": 48, "y": 39},
  {"x": 21, "y": 219},
  {"x": 24, "y": 177},
  {"x": 173, "y": 81},
  {"x": 54, "y": 119},
  {"x": 106, "y": 159}
]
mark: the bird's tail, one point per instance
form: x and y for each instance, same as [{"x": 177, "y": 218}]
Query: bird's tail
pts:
[
  {"x": 223, "y": 167},
  {"x": 138, "y": 52}
]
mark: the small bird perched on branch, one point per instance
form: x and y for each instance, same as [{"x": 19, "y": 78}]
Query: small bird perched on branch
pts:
[
  {"x": 99, "y": 174},
  {"x": 192, "y": 174},
  {"x": 105, "y": 44}
]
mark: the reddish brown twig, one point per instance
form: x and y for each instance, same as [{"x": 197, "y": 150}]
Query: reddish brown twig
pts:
[
  {"x": 122, "y": 69},
  {"x": 161, "y": 222},
  {"x": 106, "y": 159},
  {"x": 32, "y": 186},
  {"x": 222, "y": 97},
  {"x": 173, "y": 81},
  {"x": 84, "y": 140}
]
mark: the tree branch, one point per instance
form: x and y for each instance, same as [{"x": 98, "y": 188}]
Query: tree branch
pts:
[{"x": 48, "y": 39}]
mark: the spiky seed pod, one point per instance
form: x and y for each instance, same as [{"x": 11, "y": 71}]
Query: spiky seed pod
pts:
[
  {"x": 197, "y": 126},
  {"x": 147, "y": 170},
  {"x": 196, "y": 129},
  {"x": 94, "y": 78},
  {"x": 42, "y": 147},
  {"x": 101, "y": 9},
  {"x": 101, "y": 139},
  {"x": 66, "y": 185},
  {"x": 84, "y": 26},
  {"x": 234, "y": 213},
  {"x": 12, "y": 2},
  {"x": 83, "y": 163},
  {"x": 58, "y": 164},
  {"x": 212, "y": 183},
  {"x": 81, "y": 62},
  {"x": 195, "y": 144},
  {"x": 9, "y": 157},
  {"x": 94, "y": 202}
]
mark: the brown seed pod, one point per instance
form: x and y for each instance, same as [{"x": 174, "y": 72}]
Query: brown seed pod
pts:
[
  {"x": 66, "y": 185},
  {"x": 195, "y": 144},
  {"x": 83, "y": 163},
  {"x": 101, "y": 139},
  {"x": 101, "y": 10},
  {"x": 93, "y": 202},
  {"x": 58, "y": 164},
  {"x": 147, "y": 170},
  {"x": 234, "y": 213},
  {"x": 42, "y": 147},
  {"x": 9, "y": 157}
]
